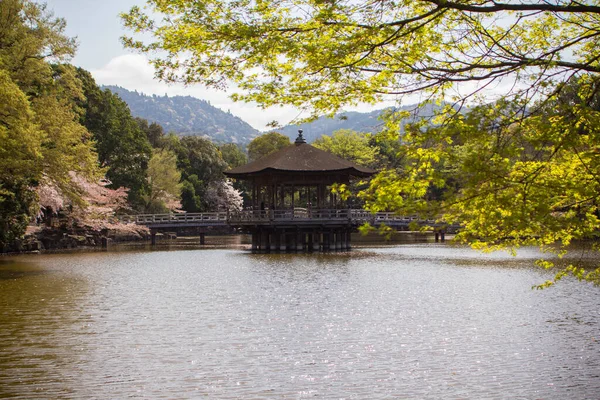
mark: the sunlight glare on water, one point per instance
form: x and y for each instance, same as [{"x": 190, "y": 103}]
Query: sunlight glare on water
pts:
[{"x": 419, "y": 321}]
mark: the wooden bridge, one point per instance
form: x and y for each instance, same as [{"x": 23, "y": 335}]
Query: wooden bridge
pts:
[
  {"x": 268, "y": 217},
  {"x": 296, "y": 220}
]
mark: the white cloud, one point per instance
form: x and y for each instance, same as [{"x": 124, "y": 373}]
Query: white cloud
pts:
[{"x": 133, "y": 72}]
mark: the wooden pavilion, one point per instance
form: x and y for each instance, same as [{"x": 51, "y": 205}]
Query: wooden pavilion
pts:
[{"x": 293, "y": 207}]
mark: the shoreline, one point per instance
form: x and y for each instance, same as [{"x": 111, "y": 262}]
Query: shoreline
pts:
[{"x": 59, "y": 241}]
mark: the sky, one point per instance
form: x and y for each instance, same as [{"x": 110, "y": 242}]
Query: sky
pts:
[{"x": 97, "y": 26}]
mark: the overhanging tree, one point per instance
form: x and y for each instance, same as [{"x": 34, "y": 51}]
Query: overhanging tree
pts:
[{"x": 323, "y": 55}]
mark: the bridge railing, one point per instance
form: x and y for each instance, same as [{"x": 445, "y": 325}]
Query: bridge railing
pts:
[
  {"x": 215, "y": 217},
  {"x": 264, "y": 216}
]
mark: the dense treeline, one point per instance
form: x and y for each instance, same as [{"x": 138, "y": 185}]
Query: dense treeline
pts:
[{"x": 68, "y": 147}]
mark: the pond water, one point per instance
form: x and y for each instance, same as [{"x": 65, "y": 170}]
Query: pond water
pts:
[{"x": 419, "y": 321}]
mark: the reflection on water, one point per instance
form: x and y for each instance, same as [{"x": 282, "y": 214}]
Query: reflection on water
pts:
[{"x": 407, "y": 321}]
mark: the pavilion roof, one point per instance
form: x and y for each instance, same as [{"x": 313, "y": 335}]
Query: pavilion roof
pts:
[{"x": 300, "y": 158}]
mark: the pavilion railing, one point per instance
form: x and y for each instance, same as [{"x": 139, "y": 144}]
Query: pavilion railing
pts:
[{"x": 284, "y": 215}]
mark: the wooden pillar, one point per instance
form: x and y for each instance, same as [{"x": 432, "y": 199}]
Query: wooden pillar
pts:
[
  {"x": 437, "y": 236},
  {"x": 264, "y": 241},
  {"x": 300, "y": 241},
  {"x": 342, "y": 239},
  {"x": 202, "y": 238},
  {"x": 276, "y": 241},
  {"x": 443, "y": 235},
  {"x": 273, "y": 241},
  {"x": 316, "y": 241},
  {"x": 338, "y": 240},
  {"x": 254, "y": 241},
  {"x": 349, "y": 239},
  {"x": 282, "y": 241},
  {"x": 259, "y": 240},
  {"x": 152, "y": 238},
  {"x": 293, "y": 242}
]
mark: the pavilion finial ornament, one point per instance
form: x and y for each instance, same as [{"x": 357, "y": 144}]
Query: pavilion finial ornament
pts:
[{"x": 300, "y": 139}]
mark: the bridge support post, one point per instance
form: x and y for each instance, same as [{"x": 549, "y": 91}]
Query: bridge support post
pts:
[
  {"x": 443, "y": 235},
  {"x": 282, "y": 241},
  {"x": 437, "y": 236},
  {"x": 316, "y": 241},
  {"x": 254, "y": 241},
  {"x": 344, "y": 241},
  {"x": 153, "y": 238},
  {"x": 264, "y": 241},
  {"x": 300, "y": 241},
  {"x": 273, "y": 245},
  {"x": 326, "y": 241},
  {"x": 348, "y": 239},
  {"x": 276, "y": 241}
]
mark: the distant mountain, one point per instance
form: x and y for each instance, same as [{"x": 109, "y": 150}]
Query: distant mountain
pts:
[
  {"x": 357, "y": 121},
  {"x": 187, "y": 116}
]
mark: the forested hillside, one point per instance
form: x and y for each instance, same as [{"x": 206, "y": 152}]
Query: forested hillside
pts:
[{"x": 187, "y": 116}]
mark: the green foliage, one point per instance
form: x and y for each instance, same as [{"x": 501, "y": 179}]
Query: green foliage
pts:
[
  {"x": 123, "y": 148},
  {"x": 20, "y": 160},
  {"x": 41, "y": 140},
  {"x": 200, "y": 157},
  {"x": 266, "y": 144},
  {"x": 20, "y": 138},
  {"x": 508, "y": 181},
  {"x": 67, "y": 147},
  {"x": 154, "y": 132},
  {"x": 193, "y": 192},
  {"x": 350, "y": 145},
  {"x": 200, "y": 163},
  {"x": 233, "y": 155},
  {"x": 323, "y": 55},
  {"x": 164, "y": 188},
  {"x": 17, "y": 204}
]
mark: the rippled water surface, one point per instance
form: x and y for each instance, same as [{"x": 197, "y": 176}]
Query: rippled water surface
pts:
[{"x": 419, "y": 321}]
